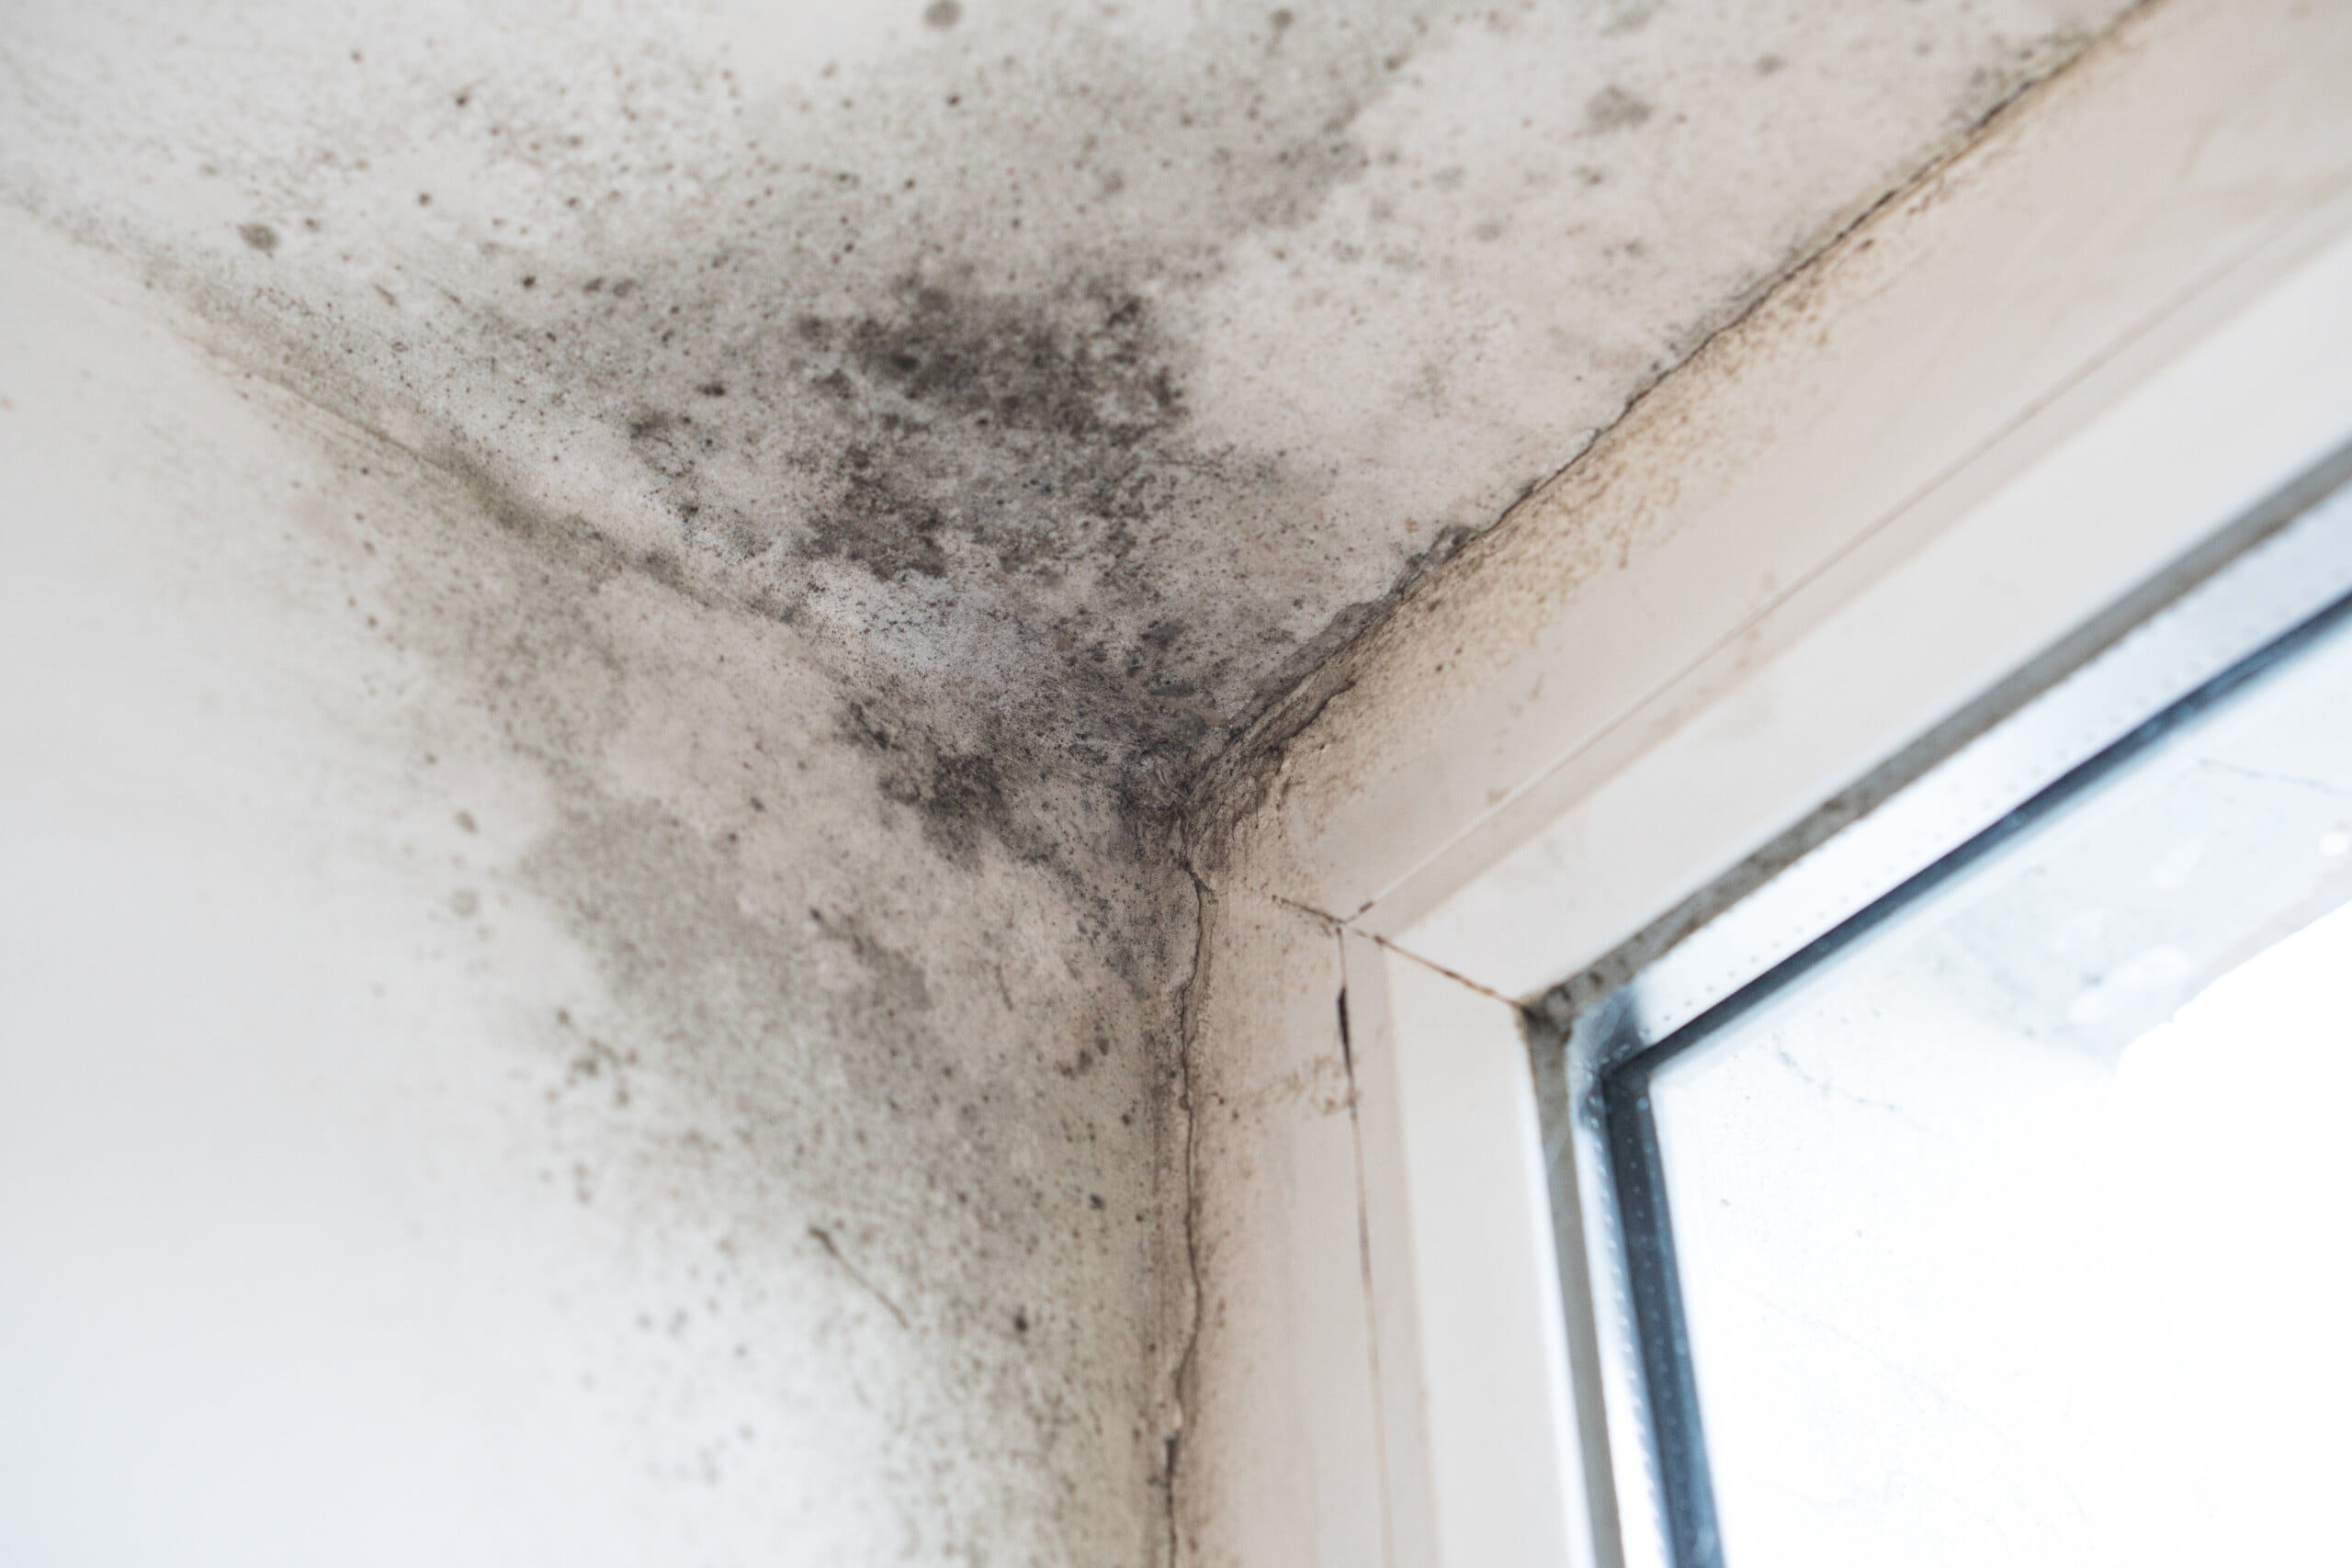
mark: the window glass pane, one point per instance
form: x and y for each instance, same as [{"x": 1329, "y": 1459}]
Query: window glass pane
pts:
[{"x": 2016, "y": 1231}]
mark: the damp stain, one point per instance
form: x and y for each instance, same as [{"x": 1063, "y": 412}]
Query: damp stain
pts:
[
  {"x": 908, "y": 344},
  {"x": 873, "y": 392},
  {"x": 1615, "y": 108}
]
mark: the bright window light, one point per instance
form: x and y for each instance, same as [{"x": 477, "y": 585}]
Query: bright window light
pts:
[{"x": 2018, "y": 1228}]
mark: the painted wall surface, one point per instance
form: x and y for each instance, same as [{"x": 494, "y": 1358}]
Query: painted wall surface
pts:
[
  {"x": 609, "y": 611},
  {"x": 500, "y": 1060}
]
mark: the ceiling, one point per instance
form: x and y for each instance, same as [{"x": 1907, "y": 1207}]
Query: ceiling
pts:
[{"x": 1074, "y": 377}]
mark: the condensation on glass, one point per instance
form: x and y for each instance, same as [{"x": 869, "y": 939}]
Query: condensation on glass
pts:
[{"x": 1979, "y": 1190}]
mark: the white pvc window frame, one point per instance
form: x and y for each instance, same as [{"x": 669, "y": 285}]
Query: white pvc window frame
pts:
[
  {"x": 2264, "y": 587},
  {"x": 1502, "y": 1443}
]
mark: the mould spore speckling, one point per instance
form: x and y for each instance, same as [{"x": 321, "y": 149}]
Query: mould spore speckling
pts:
[
  {"x": 864, "y": 463},
  {"x": 1040, "y": 420},
  {"x": 1614, "y": 108},
  {"x": 941, "y": 319},
  {"x": 910, "y": 317},
  {"x": 1088, "y": 371}
]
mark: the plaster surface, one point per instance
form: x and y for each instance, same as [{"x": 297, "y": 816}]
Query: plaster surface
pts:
[
  {"x": 488, "y": 1073},
  {"x": 1093, "y": 369},
  {"x": 625, "y": 595}
]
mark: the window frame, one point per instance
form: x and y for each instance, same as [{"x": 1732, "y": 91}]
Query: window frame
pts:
[
  {"x": 1504, "y": 1439},
  {"x": 1604, "y": 1119}
]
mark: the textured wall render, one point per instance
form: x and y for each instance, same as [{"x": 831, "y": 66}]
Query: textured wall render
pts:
[
  {"x": 498, "y": 1065},
  {"x": 1091, "y": 370},
  {"x": 647, "y": 661}
]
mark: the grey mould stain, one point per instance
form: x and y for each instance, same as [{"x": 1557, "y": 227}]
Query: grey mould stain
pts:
[
  {"x": 907, "y": 342},
  {"x": 908, "y": 346},
  {"x": 1614, "y": 108},
  {"x": 974, "y": 396},
  {"x": 891, "y": 373},
  {"x": 795, "y": 1057}
]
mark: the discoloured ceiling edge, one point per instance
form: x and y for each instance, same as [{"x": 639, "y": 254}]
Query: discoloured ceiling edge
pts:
[{"x": 1235, "y": 780}]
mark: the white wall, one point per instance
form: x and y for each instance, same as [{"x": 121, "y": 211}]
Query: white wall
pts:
[{"x": 492, "y": 1069}]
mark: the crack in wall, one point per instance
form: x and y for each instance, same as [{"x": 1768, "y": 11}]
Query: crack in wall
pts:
[
  {"x": 824, "y": 1239},
  {"x": 1195, "y": 1309},
  {"x": 1363, "y": 1252}
]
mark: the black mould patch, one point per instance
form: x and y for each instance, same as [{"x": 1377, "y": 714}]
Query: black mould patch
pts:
[
  {"x": 1087, "y": 366},
  {"x": 913, "y": 350},
  {"x": 1008, "y": 464},
  {"x": 874, "y": 519},
  {"x": 962, "y": 796},
  {"x": 904, "y": 353},
  {"x": 966, "y": 797},
  {"x": 903, "y": 349},
  {"x": 1614, "y": 108},
  {"x": 1023, "y": 425}
]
